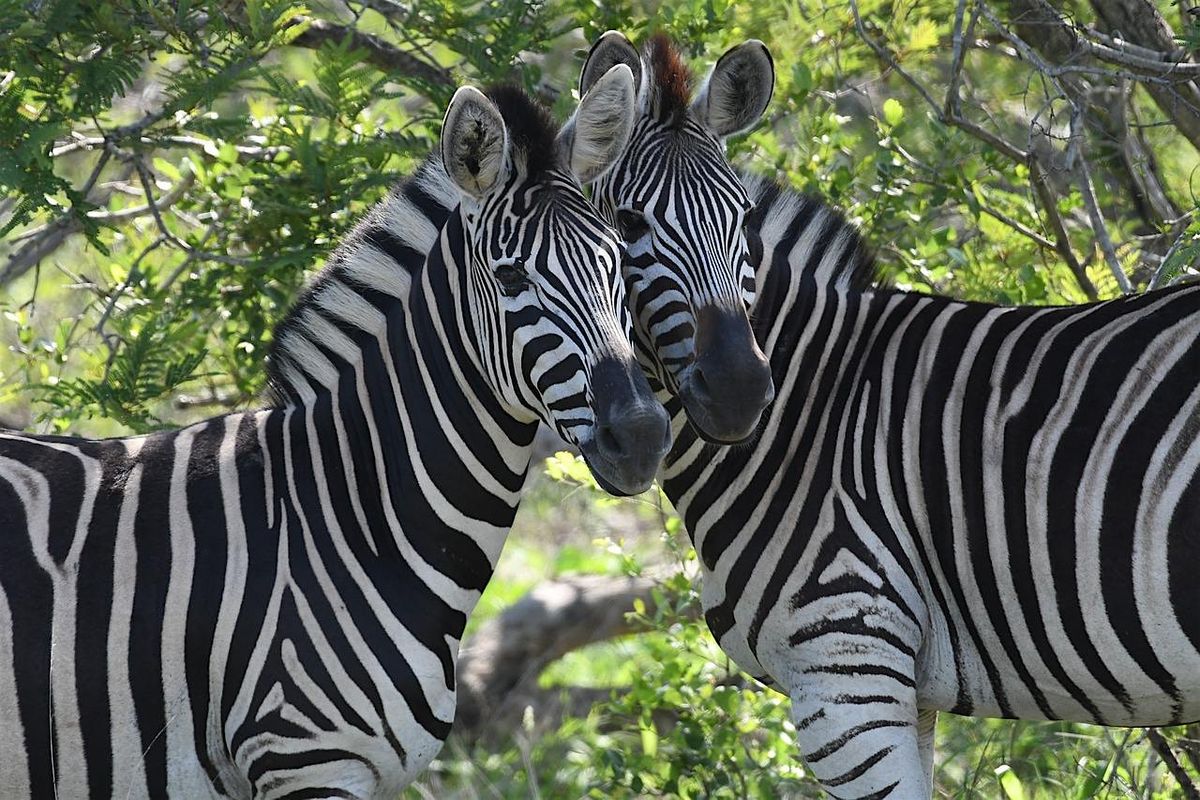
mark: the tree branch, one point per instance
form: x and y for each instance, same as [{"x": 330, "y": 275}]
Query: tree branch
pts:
[
  {"x": 1163, "y": 748},
  {"x": 1076, "y": 158},
  {"x": 1140, "y": 22},
  {"x": 1062, "y": 242},
  {"x": 387, "y": 57},
  {"x": 499, "y": 665},
  {"x": 949, "y": 113}
]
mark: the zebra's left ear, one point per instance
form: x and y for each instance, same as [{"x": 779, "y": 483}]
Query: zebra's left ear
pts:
[
  {"x": 599, "y": 129},
  {"x": 736, "y": 93}
]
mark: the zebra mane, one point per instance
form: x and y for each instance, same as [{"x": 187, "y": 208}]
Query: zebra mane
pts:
[
  {"x": 532, "y": 131},
  {"x": 386, "y": 250},
  {"x": 668, "y": 80},
  {"x": 375, "y": 264},
  {"x": 785, "y": 218}
]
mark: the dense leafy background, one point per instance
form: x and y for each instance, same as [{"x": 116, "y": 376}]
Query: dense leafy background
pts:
[{"x": 171, "y": 172}]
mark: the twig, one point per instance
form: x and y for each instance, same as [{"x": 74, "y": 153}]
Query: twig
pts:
[
  {"x": 1020, "y": 228},
  {"x": 1176, "y": 769},
  {"x": 166, "y": 201},
  {"x": 1062, "y": 242},
  {"x": 389, "y": 9},
  {"x": 1164, "y": 271},
  {"x": 949, "y": 113},
  {"x": 52, "y": 235},
  {"x": 986, "y": 136},
  {"x": 953, "y": 103},
  {"x": 1076, "y": 158},
  {"x": 135, "y": 272},
  {"x": 147, "y": 182}
]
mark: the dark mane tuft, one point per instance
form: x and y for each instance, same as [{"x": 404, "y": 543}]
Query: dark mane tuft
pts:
[
  {"x": 531, "y": 128},
  {"x": 789, "y": 214},
  {"x": 672, "y": 87}
]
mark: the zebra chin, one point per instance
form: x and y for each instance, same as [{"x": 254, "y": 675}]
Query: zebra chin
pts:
[{"x": 632, "y": 432}]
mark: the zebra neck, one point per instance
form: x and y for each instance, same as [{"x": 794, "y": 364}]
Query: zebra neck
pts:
[
  {"x": 712, "y": 485},
  {"x": 411, "y": 451}
]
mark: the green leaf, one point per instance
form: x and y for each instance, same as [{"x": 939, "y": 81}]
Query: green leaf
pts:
[
  {"x": 1010, "y": 783},
  {"x": 922, "y": 36},
  {"x": 893, "y": 111}
]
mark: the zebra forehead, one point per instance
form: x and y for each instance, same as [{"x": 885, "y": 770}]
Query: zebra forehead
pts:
[
  {"x": 670, "y": 163},
  {"x": 548, "y": 215}
]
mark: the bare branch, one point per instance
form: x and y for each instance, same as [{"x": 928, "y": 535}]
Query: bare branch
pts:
[
  {"x": 166, "y": 201},
  {"x": 1141, "y": 23},
  {"x": 986, "y": 136},
  {"x": 1062, "y": 242},
  {"x": 1163, "y": 748},
  {"x": 1017, "y": 226},
  {"x": 389, "y": 9},
  {"x": 499, "y": 665},
  {"x": 953, "y": 105},
  {"x": 52, "y": 235},
  {"x": 1075, "y": 158},
  {"x": 949, "y": 113}
]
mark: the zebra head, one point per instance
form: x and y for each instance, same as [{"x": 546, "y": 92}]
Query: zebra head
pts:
[
  {"x": 542, "y": 294},
  {"x": 682, "y": 210}
]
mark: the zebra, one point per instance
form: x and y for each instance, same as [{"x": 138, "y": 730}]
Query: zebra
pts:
[
  {"x": 949, "y": 506},
  {"x": 269, "y": 604},
  {"x": 682, "y": 210}
]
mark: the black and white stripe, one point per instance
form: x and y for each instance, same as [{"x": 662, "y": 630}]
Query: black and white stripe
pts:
[
  {"x": 269, "y": 604},
  {"x": 682, "y": 210},
  {"x": 949, "y": 506},
  {"x": 952, "y": 506}
]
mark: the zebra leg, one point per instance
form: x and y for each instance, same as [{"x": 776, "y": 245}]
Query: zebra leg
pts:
[
  {"x": 861, "y": 737},
  {"x": 926, "y": 728}
]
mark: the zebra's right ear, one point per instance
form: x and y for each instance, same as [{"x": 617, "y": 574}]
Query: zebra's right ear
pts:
[
  {"x": 474, "y": 142},
  {"x": 736, "y": 93},
  {"x": 610, "y": 49}
]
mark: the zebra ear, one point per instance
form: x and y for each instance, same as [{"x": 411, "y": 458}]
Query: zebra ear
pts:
[
  {"x": 599, "y": 129},
  {"x": 474, "y": 142},
  {"x": 609, "y": 50},
  {"x": 735, "y": 94}
]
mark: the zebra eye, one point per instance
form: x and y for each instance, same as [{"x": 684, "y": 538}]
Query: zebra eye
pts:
[
  {"x": 512, "y": 277},
  {"x": 632, "y": 225}
]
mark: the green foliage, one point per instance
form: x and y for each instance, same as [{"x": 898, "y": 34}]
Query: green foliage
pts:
[
  {"x": 259, "y": 136},
  {"x": 703, "y": 728}
]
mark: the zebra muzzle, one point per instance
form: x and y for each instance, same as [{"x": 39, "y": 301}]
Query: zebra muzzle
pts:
[{"x": 632, "y": 432}]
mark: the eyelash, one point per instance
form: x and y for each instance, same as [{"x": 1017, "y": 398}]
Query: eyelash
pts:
[{"x": 512, "y": 277}]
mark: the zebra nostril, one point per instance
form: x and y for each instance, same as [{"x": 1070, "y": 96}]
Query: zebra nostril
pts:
[
  {"x": 608, "y": 442},
  {"x": 699, "y": 382}
]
